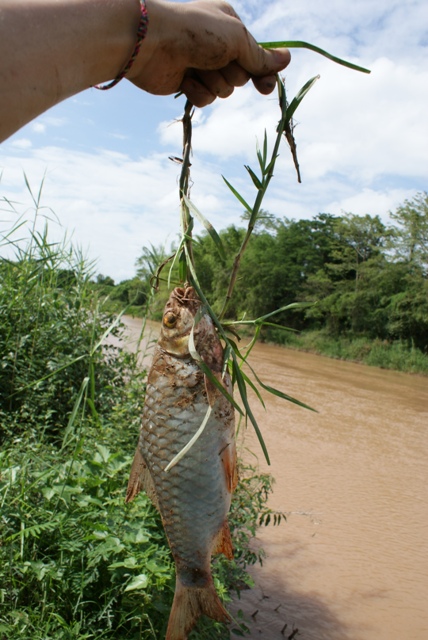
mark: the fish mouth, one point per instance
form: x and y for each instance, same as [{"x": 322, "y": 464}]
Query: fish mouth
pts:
[{"x": 186, "y": 297}]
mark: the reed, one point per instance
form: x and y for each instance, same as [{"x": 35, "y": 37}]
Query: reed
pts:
[{"x": 236, "y": 359}]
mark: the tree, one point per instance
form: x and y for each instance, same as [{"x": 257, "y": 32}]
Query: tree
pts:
[
  {"x": 411, "y": 236},
  {"x": 102, "y": 279},
  {"x": 149, "y": 261}
]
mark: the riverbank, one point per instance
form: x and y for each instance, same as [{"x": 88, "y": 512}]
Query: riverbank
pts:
[
  {"x": 375, "y": 353},
  {"x": 396, "y": 356}
]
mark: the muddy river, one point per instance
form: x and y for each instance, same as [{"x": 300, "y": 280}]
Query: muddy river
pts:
[{"x": 351, "y": 562}]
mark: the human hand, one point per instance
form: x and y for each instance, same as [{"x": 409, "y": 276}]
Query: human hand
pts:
[{"x": 202, "y": 49}]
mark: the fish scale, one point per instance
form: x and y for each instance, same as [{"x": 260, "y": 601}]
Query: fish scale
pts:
[
  {"x": 194, "y": 495},
  {"x": 180, "y": 483}
]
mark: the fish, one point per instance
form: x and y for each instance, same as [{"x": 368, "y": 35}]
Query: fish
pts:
[{"x": 193, "y": 494}]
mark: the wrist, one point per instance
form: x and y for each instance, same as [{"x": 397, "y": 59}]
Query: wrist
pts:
[
  {"x": 114, "y": 39},
  {"x": 141, "y": 34}
]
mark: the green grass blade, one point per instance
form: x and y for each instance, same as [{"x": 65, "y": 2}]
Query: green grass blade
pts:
[
  {"x": 299, "y": 97},
  {"x": 208, "y": 226},
  {"x": 292, "y": 305},
  {"x": 254, "y": 178},
  {"x": 299, "y": 44},
  {"x": 279, "y": 326},
  {"x": 243, "y": 392},
  {"x": 79, "y": 400},
  {"x": 254, "y": 388},
  {"x": 174, "y": 261},
  {"x": 238, "y": 196},
  {"x": 205, "y": 368},
  {"x": 280, "y": 394},
  {"x": 285, "y": 396}
]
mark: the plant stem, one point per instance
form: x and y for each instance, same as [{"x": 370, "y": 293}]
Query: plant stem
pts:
[
  {"x": 186, "y": 220},
  {"x": 266, "y": 178}
]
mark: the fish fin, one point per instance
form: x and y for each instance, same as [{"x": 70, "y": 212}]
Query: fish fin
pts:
[
  {"x": 223, "y": 542},
  {"x": 189, "y": 604},
  {"x": 230, "y": 466},
  {"x": 140, "y": 480}
]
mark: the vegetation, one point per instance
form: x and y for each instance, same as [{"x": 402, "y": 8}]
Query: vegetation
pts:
[
  {"x": 75, "y": 561},
  {"x": 365, "y": 282}
]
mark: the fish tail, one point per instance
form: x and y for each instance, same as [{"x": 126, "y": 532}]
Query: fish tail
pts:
[{"x": 189, "y": 604}]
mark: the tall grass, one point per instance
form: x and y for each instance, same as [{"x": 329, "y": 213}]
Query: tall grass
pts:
[{"x": 75, "y": 561}]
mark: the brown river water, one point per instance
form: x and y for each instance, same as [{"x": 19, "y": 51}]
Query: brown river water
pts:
[{"x": 351, "y": 562}]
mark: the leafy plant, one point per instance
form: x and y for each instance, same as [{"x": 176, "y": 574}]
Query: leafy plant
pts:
[{"x": 75, "y": 560}]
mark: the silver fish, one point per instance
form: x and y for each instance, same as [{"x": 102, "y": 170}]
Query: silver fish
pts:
[{"x": 193, "y": 497}]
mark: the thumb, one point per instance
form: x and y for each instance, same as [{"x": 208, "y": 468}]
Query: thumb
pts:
[{"x": 261, "y": 62}]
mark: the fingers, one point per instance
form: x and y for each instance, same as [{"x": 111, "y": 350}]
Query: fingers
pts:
[
  {"x": 202, "y": 49},
  {"x": 203, "y": 87},
  {"x": 196, "y": 92},
  {"x": 216, "y": 83},
  {"x": 265, "y": 85},
  {"x": 235, "y": 75}
]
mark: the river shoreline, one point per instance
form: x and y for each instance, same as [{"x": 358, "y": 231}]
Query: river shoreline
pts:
[{"x": 392, "y": 356}]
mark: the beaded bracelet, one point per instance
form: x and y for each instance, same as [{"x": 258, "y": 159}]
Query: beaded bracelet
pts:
[{"x": 141, "y": 34}]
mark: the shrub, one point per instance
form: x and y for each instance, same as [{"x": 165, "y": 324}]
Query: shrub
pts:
[{"x": 75, "y": 561}]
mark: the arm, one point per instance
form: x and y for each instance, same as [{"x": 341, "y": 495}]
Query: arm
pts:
[{"x": 53, "y": 49}]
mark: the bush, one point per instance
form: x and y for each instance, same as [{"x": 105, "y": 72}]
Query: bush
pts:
[
  {"x": 75, "y": 561},
  {"x": 50, "y": 334}
]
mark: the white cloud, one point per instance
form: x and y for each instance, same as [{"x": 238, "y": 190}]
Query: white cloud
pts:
[
  {"x": 231, "y": 128},
  {"x": 361, "y": 139},
  {"x": 21, "y": 143},
  {"x": 375, "y": 203},
  {"x": 366, "y": 126},
  {"x": 111, "y": 204},
  {"x": 38, "y": 127}
]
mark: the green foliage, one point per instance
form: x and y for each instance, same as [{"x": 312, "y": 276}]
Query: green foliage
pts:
[
  {"x": 360, "y": 282},
  {"x": 74, "y": 556},
  {"x": 378, "y": 353},
  {"x": 49, "y": 327},
  {"x": 411, "y": 233},
  {"x": 75, "y": 560},
  {"x": 345, "y": 266}
]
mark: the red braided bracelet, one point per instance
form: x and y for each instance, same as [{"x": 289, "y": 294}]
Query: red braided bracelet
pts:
[{"x": 141, "y": 34}]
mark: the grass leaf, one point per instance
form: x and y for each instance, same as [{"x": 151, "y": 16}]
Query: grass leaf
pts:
[
  {"x": 254, "y": 178},
  {"x": 300, "y": 44},
  {"x": 299, "y": 97},
  {"x": 238, "y": 196},
  {"x": 208, "y": 226}
]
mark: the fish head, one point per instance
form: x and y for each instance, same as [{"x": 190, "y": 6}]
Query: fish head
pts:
[{"x": 178, "y": 319}]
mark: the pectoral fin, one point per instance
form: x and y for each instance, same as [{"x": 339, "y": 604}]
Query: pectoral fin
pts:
[
  {"x": 223, "y": 542},
  {"x": 140, "y": 480},
  {"x": 230, "y": 466}
]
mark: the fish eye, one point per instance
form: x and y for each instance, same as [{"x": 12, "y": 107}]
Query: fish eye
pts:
[{"x": 170, "y": 320}]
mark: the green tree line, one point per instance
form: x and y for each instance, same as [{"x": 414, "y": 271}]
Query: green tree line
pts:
[{"x": 362, "y": 277}]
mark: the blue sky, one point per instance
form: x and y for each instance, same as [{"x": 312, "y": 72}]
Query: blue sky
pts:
[{"x": 362, "y": 140}]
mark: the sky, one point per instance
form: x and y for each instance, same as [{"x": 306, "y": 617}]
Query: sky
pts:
[{"x": 362, "y": 140}]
